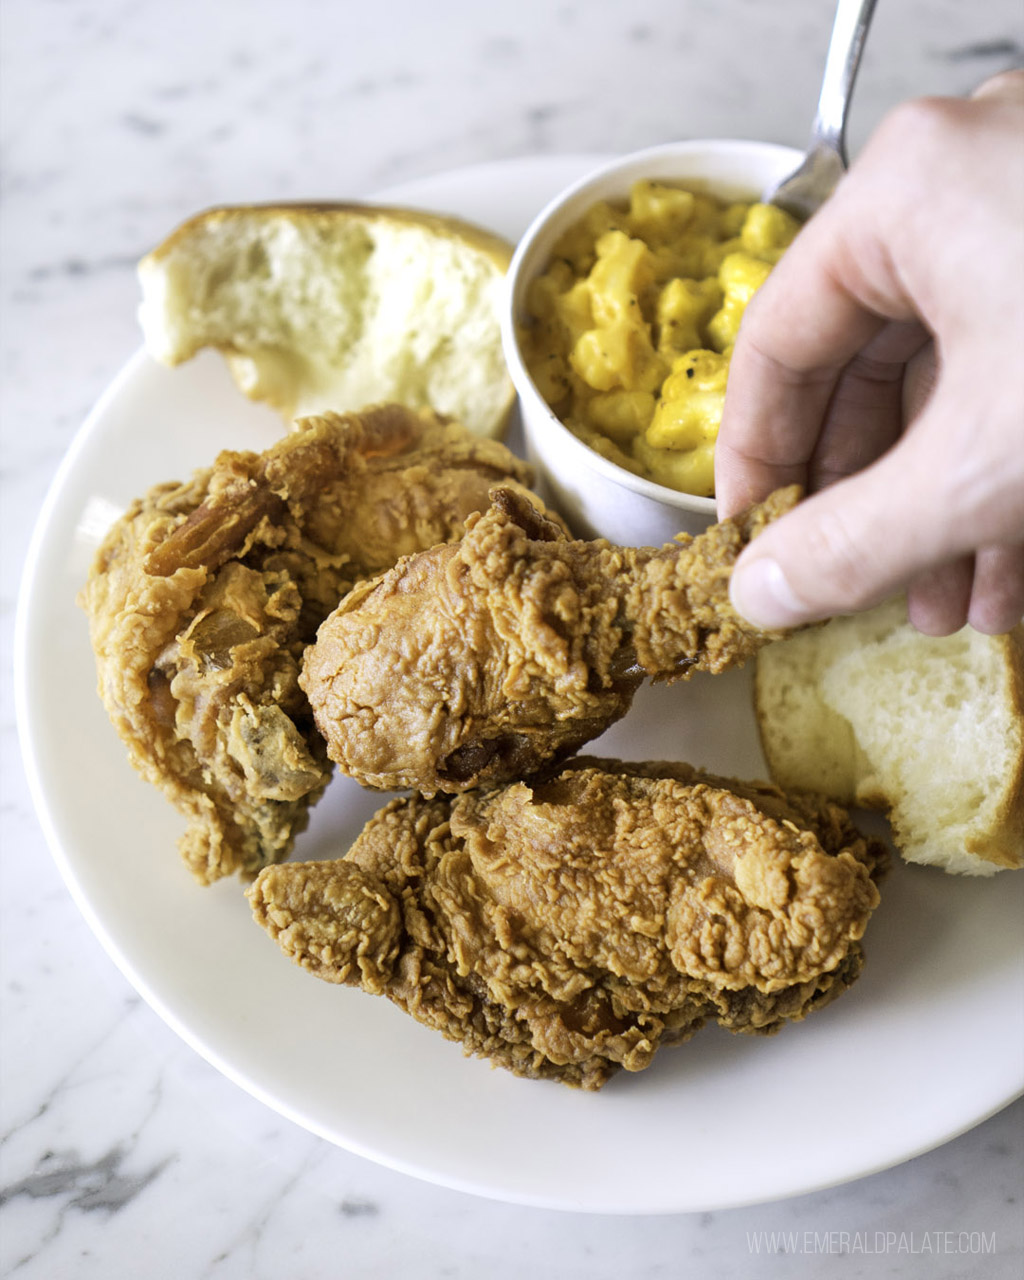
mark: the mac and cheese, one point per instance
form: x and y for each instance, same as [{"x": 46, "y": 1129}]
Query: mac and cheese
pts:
[{"x": 632, "y": 324}]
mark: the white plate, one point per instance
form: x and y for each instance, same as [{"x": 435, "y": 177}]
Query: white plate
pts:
[{"x": 925, "y": 1045}]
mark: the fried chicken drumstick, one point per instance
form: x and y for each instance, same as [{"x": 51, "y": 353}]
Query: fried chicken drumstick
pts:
[
  {"x": 568, "y": 928},
  {"x": 486, "y": 660},
  {"x": 204, "y": 595}
]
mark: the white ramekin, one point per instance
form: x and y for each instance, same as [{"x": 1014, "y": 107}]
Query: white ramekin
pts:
[{"x": 598, "y": 498}]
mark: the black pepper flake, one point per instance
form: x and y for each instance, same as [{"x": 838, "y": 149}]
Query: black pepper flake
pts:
[{"x": 689, "y": 371}]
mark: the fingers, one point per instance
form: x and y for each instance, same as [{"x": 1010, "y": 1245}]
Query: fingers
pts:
[
  {"x": 853, "y": 544},
  {"x": 826, "y": 304},
  {"x": 779, "y": 387},
  {"x": 897, "y": 242},
  {"x": 997, "y": 594},
  {"x": 867, "y": 412},
  {"x": 757, "y": 449},
  {"x": 938, "y": 599},
  {"x": 881, "y": 389},
  {"x": 985, "y": 590},
  {"x": 914, "y": 464},
  {"x": 843, "y": 549},
  {"x": 920, "y": 378}
]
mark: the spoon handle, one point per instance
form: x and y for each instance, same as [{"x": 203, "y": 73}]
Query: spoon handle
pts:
[
  {"x": 807, "y": 189},
  {"x": 849, "y": 31}
]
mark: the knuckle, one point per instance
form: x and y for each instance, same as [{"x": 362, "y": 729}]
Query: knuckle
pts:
[
  {"x": 768, "y": 358},
  {"x": 919, "y": 122},
  {"x": 874, "y": 369},
  {"x": 1004, "y": 84}
]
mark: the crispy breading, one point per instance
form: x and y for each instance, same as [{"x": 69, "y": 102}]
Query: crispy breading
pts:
[
  {"x": 204, "y": 595},
  {"x": 503, "y": 653},
  {"x": 568, "y": 928}
]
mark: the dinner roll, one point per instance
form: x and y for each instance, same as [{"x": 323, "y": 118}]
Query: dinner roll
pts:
[
  {"x": 320, "y": 307},
  {"x": 874, "y": 713}
]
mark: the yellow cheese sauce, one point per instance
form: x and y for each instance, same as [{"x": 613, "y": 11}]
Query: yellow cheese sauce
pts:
[{"x": 630, "y": 328}]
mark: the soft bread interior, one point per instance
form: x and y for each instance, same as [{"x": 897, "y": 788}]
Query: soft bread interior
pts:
[
  {"x": 321, "y": 309},
  {"x": 931, "y": 729}
]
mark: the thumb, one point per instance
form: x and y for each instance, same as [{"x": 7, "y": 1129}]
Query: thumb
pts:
[{"x": 846, "y": 548}]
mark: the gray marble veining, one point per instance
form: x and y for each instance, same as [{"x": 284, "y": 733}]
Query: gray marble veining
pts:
[{"x": 122, "y": 1153}]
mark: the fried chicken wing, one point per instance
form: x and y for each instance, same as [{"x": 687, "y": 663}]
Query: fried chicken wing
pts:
[
  {"x": 486, "y": 660},
  {"x": 204, "y": 595},
  {"x": 567, "y": 928}
]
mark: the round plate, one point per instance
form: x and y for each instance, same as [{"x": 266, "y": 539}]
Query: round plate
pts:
[{"x": 925, "y": 1045}]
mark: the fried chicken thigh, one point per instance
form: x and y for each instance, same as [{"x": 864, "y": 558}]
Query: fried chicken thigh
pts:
[
  {"x": 486, "y": 660},
  {"x": 204, "y": 595},
  {"x": 568, "y": 928}
]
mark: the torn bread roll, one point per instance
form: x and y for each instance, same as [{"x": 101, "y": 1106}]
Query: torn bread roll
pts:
[
  {"x": 928, "y": 729},
  {"x": 336, "y": 306}
]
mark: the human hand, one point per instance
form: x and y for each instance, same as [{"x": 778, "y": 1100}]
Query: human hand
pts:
[{"x": 911, "y": 275}]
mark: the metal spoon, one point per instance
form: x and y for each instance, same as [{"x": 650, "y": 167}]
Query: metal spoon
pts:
[{"x": 813, "y": 182}]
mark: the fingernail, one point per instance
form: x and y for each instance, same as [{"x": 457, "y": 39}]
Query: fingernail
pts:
[{"x": 760, "y": 593}]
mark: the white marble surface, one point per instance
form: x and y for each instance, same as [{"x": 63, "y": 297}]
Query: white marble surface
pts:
[{"x": 123, "y": 1153}]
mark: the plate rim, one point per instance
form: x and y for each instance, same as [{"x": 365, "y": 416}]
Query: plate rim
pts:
[{"x": 29, "y": 589}]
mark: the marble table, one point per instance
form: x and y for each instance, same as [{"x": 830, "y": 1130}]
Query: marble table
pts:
[{"x": 124, "y": 1153}]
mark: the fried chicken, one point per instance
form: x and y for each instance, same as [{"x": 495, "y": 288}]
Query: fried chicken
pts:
[
  {"x": 486, "y": 660},
  {"x": 568, "y": 928},
  {"x": 204, "y": 595}
]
